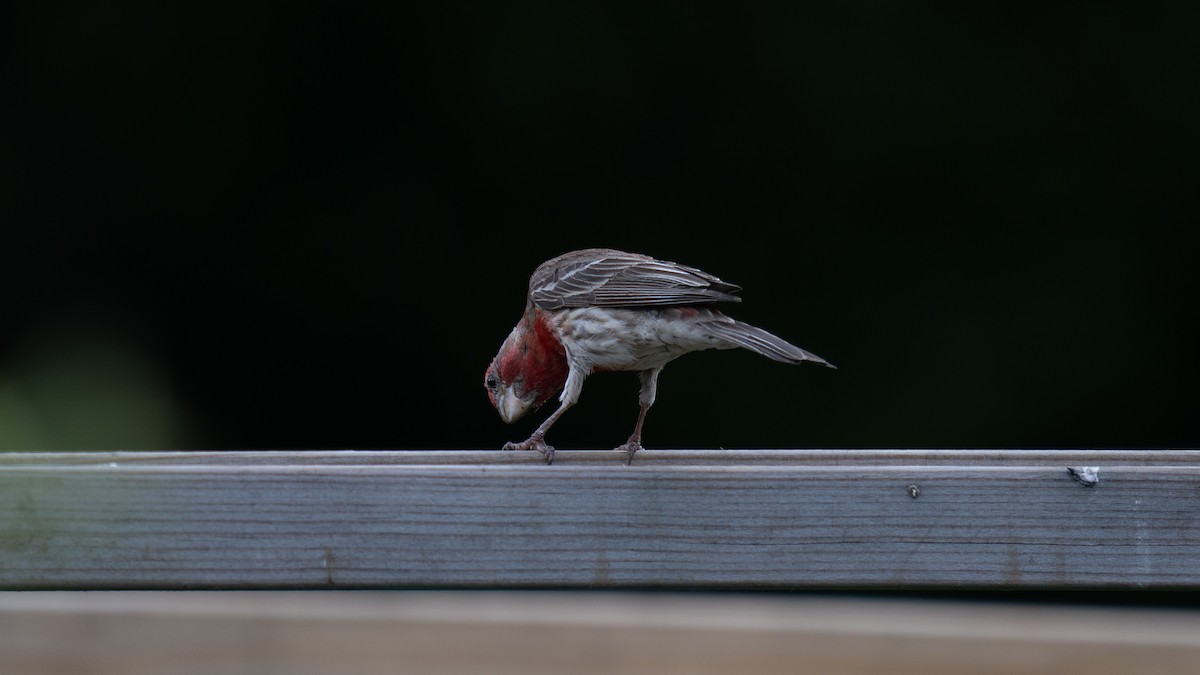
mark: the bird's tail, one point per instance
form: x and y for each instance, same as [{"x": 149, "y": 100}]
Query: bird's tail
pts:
[{"x": 760, "y": 341}]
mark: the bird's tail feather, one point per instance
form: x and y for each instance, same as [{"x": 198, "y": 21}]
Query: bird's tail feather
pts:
[{"x": 760, "y": 341}]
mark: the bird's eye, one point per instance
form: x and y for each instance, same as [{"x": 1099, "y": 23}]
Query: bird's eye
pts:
[{"x": 491, "y": 381}]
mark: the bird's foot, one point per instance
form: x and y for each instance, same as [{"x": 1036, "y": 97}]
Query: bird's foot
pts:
[
  {"x": 631, "y": 446},
  {"x": 533, "y": 443}
]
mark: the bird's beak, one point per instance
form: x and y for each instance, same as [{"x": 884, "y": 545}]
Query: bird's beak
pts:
[{"x": 510, "y": 405}]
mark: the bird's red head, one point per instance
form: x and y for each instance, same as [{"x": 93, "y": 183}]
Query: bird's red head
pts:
[{"x": 530, "y": 368}]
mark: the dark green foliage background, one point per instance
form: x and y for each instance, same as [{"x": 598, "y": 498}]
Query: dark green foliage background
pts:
[{"x": 311, "y": 227}]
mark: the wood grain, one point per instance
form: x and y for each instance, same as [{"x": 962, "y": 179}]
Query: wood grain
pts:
[
  {"x": 781, "y": 519},
  {"x": 578, "y": 632}
]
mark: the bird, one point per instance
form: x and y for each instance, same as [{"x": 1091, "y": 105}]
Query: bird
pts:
[{"x": 600, "y": 310}]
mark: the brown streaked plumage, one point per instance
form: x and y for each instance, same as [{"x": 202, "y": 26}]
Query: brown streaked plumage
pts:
[
  {"x": 602, "y": 309},
  {"x": 605, "y": 277}
]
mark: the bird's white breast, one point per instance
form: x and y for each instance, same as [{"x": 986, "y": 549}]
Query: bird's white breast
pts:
[{"x": 632, "y": 339}]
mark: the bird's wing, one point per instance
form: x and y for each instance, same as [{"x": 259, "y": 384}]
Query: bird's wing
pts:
[{"x": 610, "y": 278}]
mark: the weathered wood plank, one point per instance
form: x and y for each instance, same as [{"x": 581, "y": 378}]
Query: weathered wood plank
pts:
[
  {"x": 727, "y": 519},
  {"x": 758, "y": 457},
  {"x": 578, "y": 632}
]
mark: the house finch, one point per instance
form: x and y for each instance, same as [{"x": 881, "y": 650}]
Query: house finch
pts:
[{"x": 600, "y": 309}]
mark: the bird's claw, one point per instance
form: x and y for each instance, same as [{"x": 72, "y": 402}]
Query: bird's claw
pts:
[
  {"x": 533, "y": 443},
  {"x": 629, "y": 448}
]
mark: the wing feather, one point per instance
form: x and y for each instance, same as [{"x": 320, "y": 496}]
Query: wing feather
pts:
[{"x": 609, "y": 278}]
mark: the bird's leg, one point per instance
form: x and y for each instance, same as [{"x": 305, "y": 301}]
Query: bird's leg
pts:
[
  {"x": 537, "y": 440},
  {"x": 635, "y": 440},
  {"x": 646, "y": 399}
]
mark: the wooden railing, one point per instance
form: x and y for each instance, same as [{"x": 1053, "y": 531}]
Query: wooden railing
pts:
[{"x": 772, "y": 519}]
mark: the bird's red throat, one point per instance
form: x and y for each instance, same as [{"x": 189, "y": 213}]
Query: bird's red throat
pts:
[{"x": 534, "y": 353}]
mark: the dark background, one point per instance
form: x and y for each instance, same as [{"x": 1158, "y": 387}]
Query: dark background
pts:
[{"x": 307, "y": 227}]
